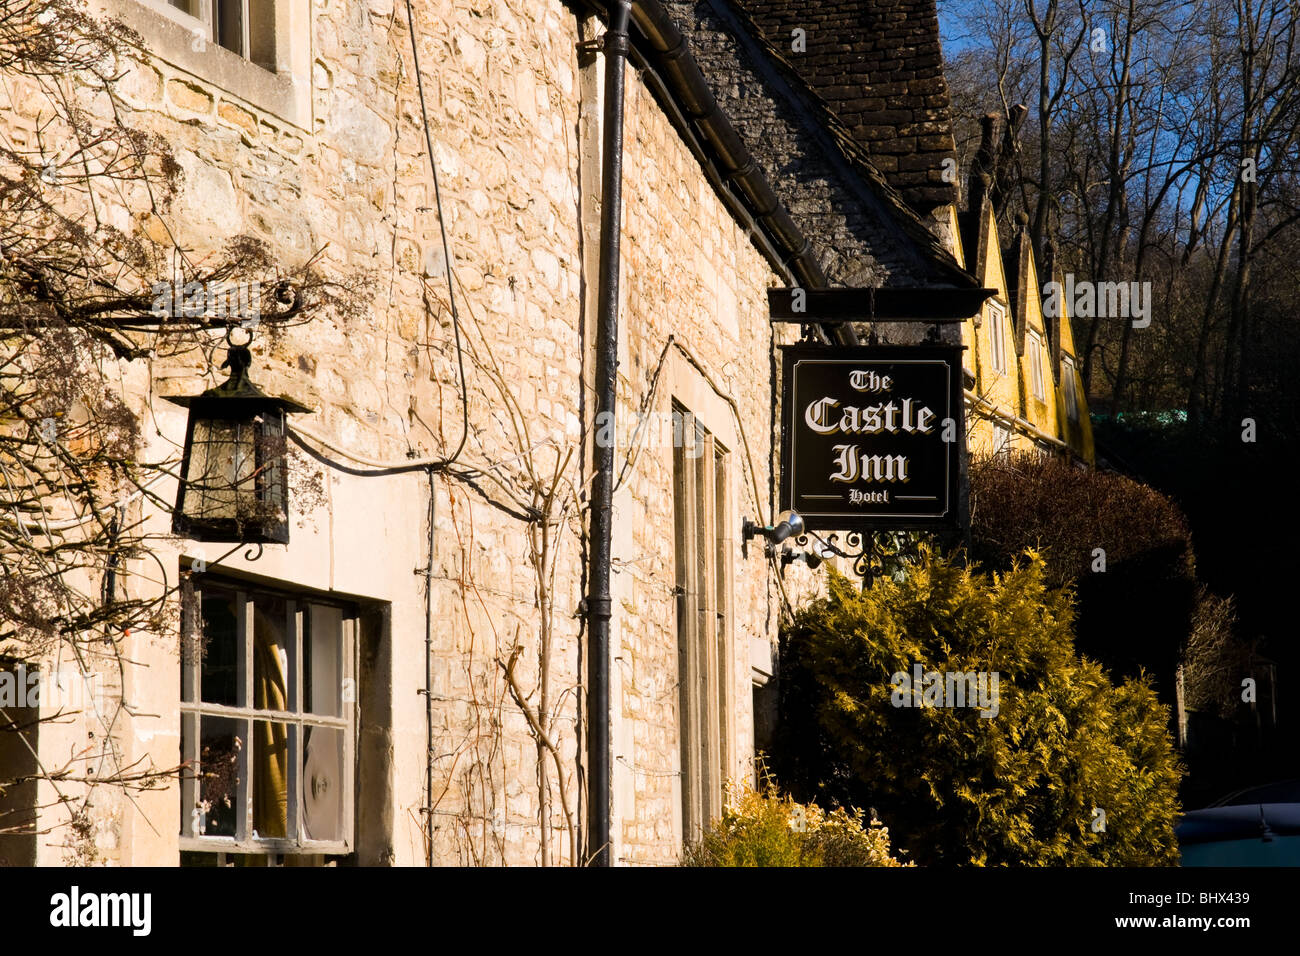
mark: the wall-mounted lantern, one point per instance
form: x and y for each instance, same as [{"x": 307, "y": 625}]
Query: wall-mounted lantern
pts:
[{"x": 234, "y": 483}]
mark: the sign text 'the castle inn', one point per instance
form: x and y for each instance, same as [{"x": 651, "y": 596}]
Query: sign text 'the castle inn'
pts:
[{"x": 871, "y": 436}]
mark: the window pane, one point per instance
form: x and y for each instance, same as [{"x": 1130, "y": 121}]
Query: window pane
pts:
[
  {"x": 1001, "y": 440},
  {"x": 270, "y": 654},
  {"x": 187, "y": 6},
  {"x": 1071, "y": 398},
  {"x": 1036, "y": 365},
  {"x": 705, "y": 629},
  {"x": 1038, "y": 368},
  {"x": 322, "y": 660},
  {"x": 322, "y": 784},
  {"x": 684, "y": 520},
  {"x": 220, "y": 741},
  {"x": 219, "y": 674},
  {"x": 228, "y": 24},
  {"x": 270, "y": 778},
  {"x": 997, "y": 338},
  {"x": 261, "y": 33}
]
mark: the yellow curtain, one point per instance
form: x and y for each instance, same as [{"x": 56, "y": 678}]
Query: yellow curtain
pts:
[{"x": 270, "y": 739}]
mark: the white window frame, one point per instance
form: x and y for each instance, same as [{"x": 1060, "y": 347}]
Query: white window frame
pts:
[
  {"x": 1071, "y": 395},
  {"x": 1035, "y": 347},
  {"x": 998, "y": 337},
  {"x": 1003, "y": 439},
  {"x": 297, "y": 719}
]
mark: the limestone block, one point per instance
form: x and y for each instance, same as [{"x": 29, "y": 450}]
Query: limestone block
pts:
[
  {"x": 208, "y": 203},
  {"x": 238, "y": 116},
  {"x": 357, "y": 129},
  {"x": 189, "y": 97}
]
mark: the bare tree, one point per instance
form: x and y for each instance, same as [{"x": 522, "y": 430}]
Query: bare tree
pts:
[{"x": 1163, "y": 131}]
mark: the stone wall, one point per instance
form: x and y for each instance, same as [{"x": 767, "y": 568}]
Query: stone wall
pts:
[
  {"x": 690, "y": 274},
  {"x": 514, "y": 117}
]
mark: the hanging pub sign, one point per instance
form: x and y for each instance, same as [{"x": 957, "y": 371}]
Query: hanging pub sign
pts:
[{"x": 871, "y": 436}]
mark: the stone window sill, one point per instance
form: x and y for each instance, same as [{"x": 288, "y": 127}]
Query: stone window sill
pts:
[{"x": 173, "y": 38}]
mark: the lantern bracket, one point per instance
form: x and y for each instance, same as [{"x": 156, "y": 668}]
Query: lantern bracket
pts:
[{"x": 253, "y": 553}]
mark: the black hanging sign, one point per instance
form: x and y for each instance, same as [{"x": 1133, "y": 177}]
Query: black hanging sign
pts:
[{"x": 871, "y": 436}]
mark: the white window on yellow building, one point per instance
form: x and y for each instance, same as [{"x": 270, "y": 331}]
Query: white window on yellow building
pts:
[
  {"x": 268, "y": 716},
  {"x": 1071, "y": 397},
  {"x": 1002, "y": 439},
  {"x": 1035, "y": 349},
  {"x": 700, "y": 511},
  {"x": 998, "y": 337}
]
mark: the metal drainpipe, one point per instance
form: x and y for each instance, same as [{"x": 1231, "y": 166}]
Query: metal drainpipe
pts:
[
  {"x": 598, "y": 597},
  {"x": 428, "y": 677}
]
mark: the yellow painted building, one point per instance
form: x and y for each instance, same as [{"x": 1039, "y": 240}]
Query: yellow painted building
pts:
[{"x": 1021, "y": 373}]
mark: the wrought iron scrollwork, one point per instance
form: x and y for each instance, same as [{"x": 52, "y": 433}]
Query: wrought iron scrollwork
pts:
[
  {"x": 874, "y": 554},
  {"x": 253, "y": 553}
]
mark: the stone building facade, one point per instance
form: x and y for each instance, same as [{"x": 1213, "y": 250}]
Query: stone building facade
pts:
[{"x": 294, "y": 681}]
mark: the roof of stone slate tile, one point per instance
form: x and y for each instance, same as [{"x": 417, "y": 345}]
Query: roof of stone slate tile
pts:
[
  {"x": 879, "y": 67},
  {"x": 858, "y": 239}
]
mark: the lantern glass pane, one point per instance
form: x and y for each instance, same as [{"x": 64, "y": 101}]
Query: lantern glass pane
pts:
[
  {"x": 220, "y": 482},
  {"x": 271, "y": 478}
]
